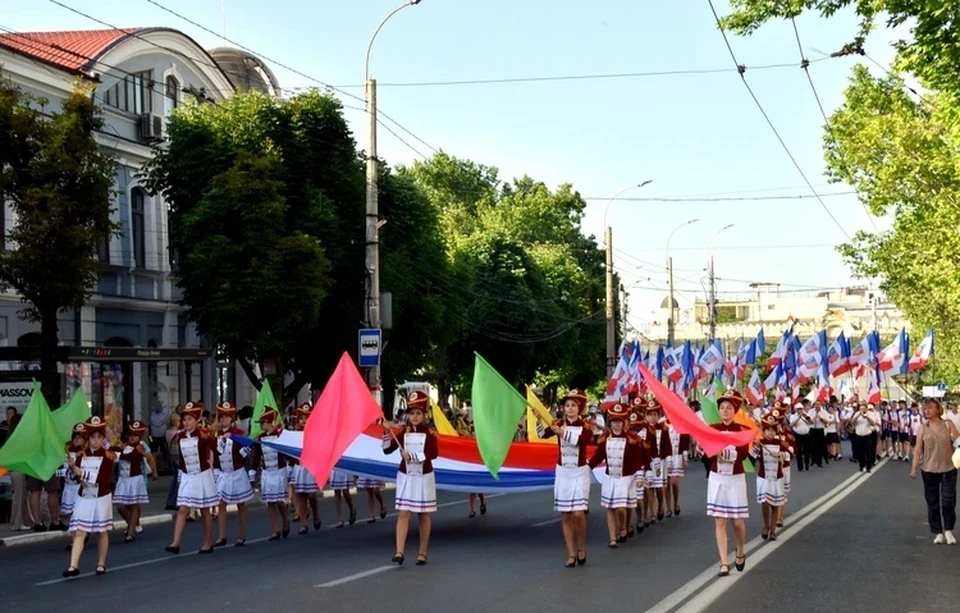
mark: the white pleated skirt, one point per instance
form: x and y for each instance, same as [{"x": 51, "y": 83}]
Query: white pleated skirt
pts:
[
  {"x": 571, "y": 489},
  {"x": 68, "y": 497},
  {"x": 640, "y": 483},
  {"x": 619, "y": 492},
  {"x": 340, "y": 480},
  {"x": 197, "y": 490},
  {"x": 786, "y": 479},
  {"x": 234, "y": 487},
  {"x": 771, "y": 491},
  {"x": 303, "y": 481},
  {"x": 369, "y": 484},
  {"x": 675, "y": 465},
  {"x": 416, "y": 493},
  {"x": 131, "y": 491},
  {"x": 656, "y": 476},
  {"x": 273, "y": 485},
  {"x": 727, "y": 496},
  {"x": 92, "y": 515}
]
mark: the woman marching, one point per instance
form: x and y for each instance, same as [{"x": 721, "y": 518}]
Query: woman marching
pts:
[
  {"x": 233, "y": 484},
  {"x": 274, "y": 475},
  {"x": 93, "y": 510},
  {"x": 620, "y": 449},
  {"x": 660, "y": 450},
  {"x": 932, "y": 457},
  {"x": 131, "y": 491},
  {"x": 416, "y": 482},
  {"x": 571, "y": 487},
  {"x": 304, "y": 485},
  {"x": 637, "y": 423},
  {"x": 727, "y": 486},
  {"x": 197, "y": 488},
  {"x": 773, "y": 454},
  {"x": 71, "y": 487},
  {"x": 676, "y": 466}
]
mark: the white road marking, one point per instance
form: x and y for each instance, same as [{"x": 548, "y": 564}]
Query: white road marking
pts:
[
  {"x": 171, "y": 556},
  {"x": 555, "y": 520},
  {"x": 354, "y": 577},
  {"x": 795, "y": 522}
]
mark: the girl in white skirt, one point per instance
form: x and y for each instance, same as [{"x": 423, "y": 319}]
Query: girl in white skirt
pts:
[
  {"x": 230, "y": 473},
  {"x": 93, "y": 510},
  {"x": 620, "y": 449},
  {"x": 197, "y": 487},
  {"x": 676, "y": 466},
  {"x": 341, "y": 482},
  {"x": 571, "y": 486},
  {"x": 786, "y": 435},
  {"x": 656, "y": 477},
  {"x": 131, "y": 491},
  {"x": 304, "y": 485},
  {"x": 71, "y": 487},
  {"x": 416, "y": 481},
  {"x": 374, "y": 489},
  {"x": 274, "y": 474},
  {"x": 727, "y": 486},
  {"x": 638, "y": 420},
  {"x": 771, "y": 453}
]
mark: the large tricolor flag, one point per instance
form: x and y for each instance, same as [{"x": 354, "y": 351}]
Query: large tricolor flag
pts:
[
  {"x": 923, "y": 353},
  {"x": 838, "y": 355},
  {"x": 893, "y": 359},
  {"x": 753, "y": 392}
]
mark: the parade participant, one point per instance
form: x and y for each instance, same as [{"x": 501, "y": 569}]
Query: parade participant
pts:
[
  {"x": 274, "y": 474},
  {"x": 197, "y": 489},
  {"x": 374, "y": 489},
  {"x": 659, "y": 452},
  {"x": 676, "y": 465},
  {"x": 304, "y": 484},
  {"x": 863, "y": 423},
  {"x": 784, "y": 433},
  {"x": 131, "y": 490},
  {"x": 416, "y": 481},
  {"x": 71, "y": 487},
  {"x": 620, "y": 449},
  {"x": 832, "y": 430},
  {"x": 230, "y": 472},
  {"x": 772, "y": 454},
  {"x": 93, "y": 510},
  {"x": 473, "y": 502},
  {"x": 801, "y": 424},
  {"x": 727, "y": 486},
  {"x": 571, "y": 488},
  {"x": 638, "y": 412}
]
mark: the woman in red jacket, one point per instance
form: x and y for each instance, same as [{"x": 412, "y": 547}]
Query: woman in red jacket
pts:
[
  {"x": 727, "y": 486},
  {"x": 620, "y": 449}
]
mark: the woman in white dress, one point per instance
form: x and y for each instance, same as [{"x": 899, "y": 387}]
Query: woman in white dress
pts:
[
  {"x": 196, "y": 487},
  {"x": 93, "y": 510},
  {"x": 727, "y": 486},
  {"x": 772, "y": 454},
  {"x": 230, "y": 473},
  {"x": 416, "y": 481},
  {"x": 304, "y": 485},
  {"x": 131, "y": 491},
  {"x": 274, "y": 474},
  {"x": 571, "y": 486},
  {"x": 71, "y": 487},
  {"x": 620, "y": 449}
]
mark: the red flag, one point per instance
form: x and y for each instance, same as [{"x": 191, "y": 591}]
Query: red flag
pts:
[
  {"x": 685, "y": 421},
  {"x": 342, "y": 413}
]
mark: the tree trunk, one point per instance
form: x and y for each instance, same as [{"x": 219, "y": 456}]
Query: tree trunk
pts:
[
  {"x": 251, "y": 375},
  {"x": 49, "y": 338}
]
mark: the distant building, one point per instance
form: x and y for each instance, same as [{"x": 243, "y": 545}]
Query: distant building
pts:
[{"x": 141, "y": 76}]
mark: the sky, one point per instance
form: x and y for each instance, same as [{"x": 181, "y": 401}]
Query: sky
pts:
[{"x": 696, "y": 134}]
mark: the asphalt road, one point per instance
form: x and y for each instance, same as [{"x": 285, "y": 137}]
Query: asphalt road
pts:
[{"x": 852, "y": 542}]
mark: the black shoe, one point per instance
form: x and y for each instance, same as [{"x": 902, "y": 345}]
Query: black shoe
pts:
[
  {"x": 206, "y": 550},
  {"x": 286, "y": 532},
  {"x": 483, "y": 509},
  {"x": 71, "y": 572},
  {"x": 39, "y": 528},
  {"x": 240, "y": 543},
  {"x": 740, "y": 563},
  {"x": 171, "y": 549},
  {"x": 571, "y": 563},
  {"x": 383, "y": 513},
  {"x": 582, "y": 561},
  {"x": 398, "y": 559},
  {"x": 60, "y": 527},
  {"x": 421, "y": 560},
  {"x": 220, "y": 543},
  {"x": 101, "y": 569},
  {"x": 353, "y": 516}
]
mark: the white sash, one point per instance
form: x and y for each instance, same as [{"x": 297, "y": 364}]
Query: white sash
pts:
[
  {"x": 570, "y": 447},
  {"x": 225, "y": 449},
  {"x": 413, "y": 443},
  {"x": 771, "y": 460},
  {"x": 90, "y": 465},
  {"x": 616, "y": 448},
  {"x": 190, "y": 452},
  {"x": 674, "y": 441},
  {"x": 726, "y": 460},
  {"x": 270, "y": 459}
]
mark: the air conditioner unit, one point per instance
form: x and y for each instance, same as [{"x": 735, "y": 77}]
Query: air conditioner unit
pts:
[{"x": 151, "y": 128}]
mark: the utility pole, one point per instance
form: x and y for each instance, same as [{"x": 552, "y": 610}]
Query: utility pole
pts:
[
  {"x": 713, "y": 282},
  {"x": 670, "y": 301},
  {"x": 624, "y": 310}
]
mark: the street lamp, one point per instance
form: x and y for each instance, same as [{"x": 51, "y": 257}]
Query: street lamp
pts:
[
  {"x": 608, "y": 240},
  {"x": 670, "y": 302},
  {"x": 372, "y": 225},
  {"x": 713, "y": 286}
]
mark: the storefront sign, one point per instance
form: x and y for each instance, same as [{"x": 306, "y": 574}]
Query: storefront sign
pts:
[{"x": 15, "y": 394}]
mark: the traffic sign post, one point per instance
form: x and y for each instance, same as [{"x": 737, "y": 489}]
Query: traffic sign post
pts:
[{"x": 370, "y": 343}]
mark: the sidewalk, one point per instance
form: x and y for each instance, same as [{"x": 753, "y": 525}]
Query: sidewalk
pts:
[{"x": 152, "y": 513}]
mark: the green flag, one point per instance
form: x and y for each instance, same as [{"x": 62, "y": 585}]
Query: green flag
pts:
[
  {"x": 77, "y": 410},
  {"x": 264, "y": 399},
  {"x": 35, "y": 448},
  {"x": 711, "y": 414},
  {"x": 497, "y": 409}
]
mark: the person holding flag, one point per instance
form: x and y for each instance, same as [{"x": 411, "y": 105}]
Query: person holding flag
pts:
[
  {"x": 304, "y": 485},
  {"x": 416, "y": 481},
  {"x": 727, "y": 486},
  {"x": 571, "y": 488},
  {"x": 233, "y": 483}
]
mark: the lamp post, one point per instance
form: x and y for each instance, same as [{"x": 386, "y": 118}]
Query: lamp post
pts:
[
  {"x": 372, "y": 225},
  {"x": 670, "y": 301},
  {"x": 713, "y": 285},
  {"x": 610, "y": 320}
]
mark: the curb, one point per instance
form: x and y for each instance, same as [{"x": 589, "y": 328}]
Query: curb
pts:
[{"x": 148, "y": 520}]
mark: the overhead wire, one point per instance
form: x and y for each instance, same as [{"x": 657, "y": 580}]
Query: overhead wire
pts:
[{"x": 741, "y": 69}]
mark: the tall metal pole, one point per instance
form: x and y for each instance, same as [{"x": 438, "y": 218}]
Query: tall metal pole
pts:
[
  {"x": 713, "y": 283},
  {"x": 670, "y": 300},
  {"x": 609, "y": 313},
  {"x": 372, "y": 225}
]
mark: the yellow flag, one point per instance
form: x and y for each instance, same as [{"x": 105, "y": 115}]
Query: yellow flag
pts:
[
  {"x": 441, "y": 422},
  {"x": 535, "y": 410},
  {"x": 534, "y": 403},
  {"x": 532, "y": 435}
]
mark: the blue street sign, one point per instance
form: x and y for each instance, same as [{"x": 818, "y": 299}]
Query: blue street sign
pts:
[
  {"x": 941, "y": 387},
  {"x": 369, "y": 347}
]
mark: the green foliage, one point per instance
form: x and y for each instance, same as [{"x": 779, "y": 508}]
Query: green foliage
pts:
[{"x": 59, "y": 184}]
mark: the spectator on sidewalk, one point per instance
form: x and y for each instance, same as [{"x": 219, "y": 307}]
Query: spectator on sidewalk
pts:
[
  {"x": 5, "y": 427},
  {"x": 159, "y": 419},
  {"x": 932, "y": 455},
  {"x": 173, "y": 427},
  {"x": 19, "y": 511}
]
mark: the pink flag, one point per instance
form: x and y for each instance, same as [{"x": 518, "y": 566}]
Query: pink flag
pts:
[
  {"x": 344, "y": 410},
  {"x": 685, "y": 421}
]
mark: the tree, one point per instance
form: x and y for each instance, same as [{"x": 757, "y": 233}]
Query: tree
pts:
[{"x": 59, "y": 184}]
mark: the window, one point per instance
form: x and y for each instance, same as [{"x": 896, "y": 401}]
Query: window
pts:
[
  {"x": 137, "y": 198},
  {"x": 134, "y": 93},
  {"x": 103, "y": 251},
  {"x": 171, "y": 97}
]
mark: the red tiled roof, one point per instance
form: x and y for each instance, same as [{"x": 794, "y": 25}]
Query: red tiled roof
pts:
[{"x": 71, "y": 50}]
